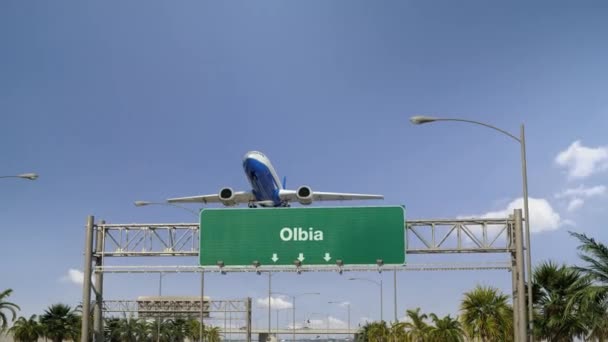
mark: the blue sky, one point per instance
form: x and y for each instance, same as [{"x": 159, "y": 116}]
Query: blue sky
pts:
[{"x": 112, "y": 102}]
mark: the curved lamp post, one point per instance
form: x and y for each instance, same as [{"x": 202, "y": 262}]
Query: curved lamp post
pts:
[
  {"x": 419, "y": 120},
  {"x": 380, "y": 285},
  {"x": 29, "y": 176},
  {"x": 293, "y": 302}
]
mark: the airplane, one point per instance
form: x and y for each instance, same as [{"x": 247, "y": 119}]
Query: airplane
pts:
[{"x": 267, "y": 189}]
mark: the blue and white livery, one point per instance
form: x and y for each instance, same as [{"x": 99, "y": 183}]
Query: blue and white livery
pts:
[{"x": 267, "y": 189}]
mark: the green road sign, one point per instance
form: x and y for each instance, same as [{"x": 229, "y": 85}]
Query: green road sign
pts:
[{"x": 315, "y": 236}]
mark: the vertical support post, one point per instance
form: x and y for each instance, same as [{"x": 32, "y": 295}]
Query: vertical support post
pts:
[
  {"x": 98, "y": 310},
  {"x": 327, "y": 335},
  {"x": 86, "y": 286},
  {"x": 202, "y": 312},
  {"x": 522, "y": 141},
  {"x": 225, "y": 314},
  {"x": 512, "y": 246},
  {"x": 348, "y": 320},
  {"x": 521, "y": 298},
  {"x": 160, "y": 293},
  {"x": 294, "y": 318},
  {"x": 395, "y": 290},
  {"x": 248, "y": 319},
  {"x": 269, "y": 304},
  {"x": 381, "y": 302}
]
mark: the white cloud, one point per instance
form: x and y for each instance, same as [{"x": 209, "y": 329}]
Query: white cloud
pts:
[
  {"x": 542, "y": 216},
  {"x": 74, "y": 276},
  {"x": 575, "y": 203},
  {"x": 276, "y": 303},
  {"x": 582, "y": 191},
  {"x": 336, "y": 323},
  {"x": 583, "y": 161},
  {"x": 576, "y": 196}
]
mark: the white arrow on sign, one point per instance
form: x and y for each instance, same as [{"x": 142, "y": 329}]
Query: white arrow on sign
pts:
[
  {"x": 274, "y": 257},
  {"x": 301, "y": 257},
  {"x": 327, "y": 257}
]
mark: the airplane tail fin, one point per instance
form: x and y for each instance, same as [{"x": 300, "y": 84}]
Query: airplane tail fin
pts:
[{"x": 284, "y": 182}]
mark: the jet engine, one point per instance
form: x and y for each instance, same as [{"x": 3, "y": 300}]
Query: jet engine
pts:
[
  {"x": 227, "y": 196},
  {"x": 304, "y": 194}
]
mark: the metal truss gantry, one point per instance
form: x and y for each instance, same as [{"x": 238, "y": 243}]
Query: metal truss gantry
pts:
[
  {"x": 423, "y": 237},
  {"x": 458, "y": 236}
]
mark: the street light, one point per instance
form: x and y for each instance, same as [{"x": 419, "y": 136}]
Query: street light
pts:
[
  {"x": 293, "y": 301},
  {"x": 419, "y": 120},
  {"x": 29, "y": 176},
  {"x": 145, "y": 203},
  {"x": 380, "y": 285},
  {"x": 348, "y": 306}
]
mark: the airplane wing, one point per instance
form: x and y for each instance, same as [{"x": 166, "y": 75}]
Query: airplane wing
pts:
[
  {"x": 337, "y": 196},
  {"x": 239, "y": 197},
  {"x": 292, "y": 196}
]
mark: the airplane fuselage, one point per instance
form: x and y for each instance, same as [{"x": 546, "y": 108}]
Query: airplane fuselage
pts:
[
  {"x": 267, "y": 189},
  {"x": 265, "y": 182}
]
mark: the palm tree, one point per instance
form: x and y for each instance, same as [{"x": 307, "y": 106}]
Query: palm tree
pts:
[
  {"x": 213, "y": 334},
  {"x": 26, "y": 330},
  {"x": 193, "y": 329},
  {"x": 377, "y": 332},
  {"x": 177, "y": 329},
  {"x": 362, "y": 333},
  {"x": 8, "y": 306},
  {"x": 111, "y": 329},
  {"x": 595, "y": 254},
  {"x": 416, "y": 327},
  {"x": 562, "y": 288},
  {"x": 486, "y": 314},
  {"x": 594, "y": 299},
  {"x": 60, "y": 323},
  {"x": 397, "y": 332},
  {"x": 131, "y": 330},
  {"x": 446, "y": 329}
]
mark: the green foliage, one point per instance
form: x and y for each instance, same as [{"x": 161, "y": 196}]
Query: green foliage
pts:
[
  {"x": 417, "y": 327},
  {"x": 595, "y": 255},
  {"x": 6, "y": 306},
  {"x": 558, "y": 308},
  {"x": 446, "y": 329},
  {"x": 60, "y": 323},
  {"x": 26, "y": 330},
  {"x": 486, "y": 314}
]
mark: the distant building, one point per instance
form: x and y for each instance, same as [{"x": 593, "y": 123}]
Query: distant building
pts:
[{"x": 174, "y": 306}]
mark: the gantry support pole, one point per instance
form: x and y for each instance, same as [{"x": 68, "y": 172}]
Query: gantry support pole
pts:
[
  {"x": 98, "y": 289},
  {"x": 202, "y": 312},
  {"x": 86, "y": 285},
  {"x": 248, "y": 319},
  {"x": 513, "y": 245},
  {"x": 522, "y": 326}
]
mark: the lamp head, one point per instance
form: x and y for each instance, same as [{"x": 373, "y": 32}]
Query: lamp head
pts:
[
  {"x": 141, "y": 203},
  {"x": 421, "y": 119},
  {"x": 30, "y": 176}
]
